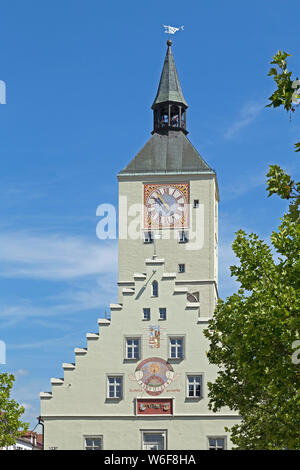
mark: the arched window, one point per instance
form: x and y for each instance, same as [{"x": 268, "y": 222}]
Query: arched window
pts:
[{"x": 154, "y": 289}]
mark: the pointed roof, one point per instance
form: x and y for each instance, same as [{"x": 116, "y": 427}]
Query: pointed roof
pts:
[
  {"x": 169, "y": 88},
  {"x": 167, "y": 154}
]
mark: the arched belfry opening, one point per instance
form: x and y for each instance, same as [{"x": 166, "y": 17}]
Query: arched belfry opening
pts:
[{"x": 169, "y": 106}]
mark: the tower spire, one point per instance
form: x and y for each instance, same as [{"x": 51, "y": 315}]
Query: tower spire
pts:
[{"x": 169, "y": 105}]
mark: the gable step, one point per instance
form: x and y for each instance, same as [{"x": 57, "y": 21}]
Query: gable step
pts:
[
  {"x": 127, "y": 290},
  {"x": 81, "y": 351},
  {"x": 116, "y": 307},
  {"x": 155, "y": 261},
  {"x": 180, "y": 290},
  {"x": 139, "y": 276},
  {"x": 68, "y": 365},
  {"x": 92, "y": 336},
  {"x": 45, "y": 395},
  {"x": 169, "y": 275},
  {"x": 103, "y": 322},
  {"x": 56, "y": 381},
  {"x": 192, "y": 305}
]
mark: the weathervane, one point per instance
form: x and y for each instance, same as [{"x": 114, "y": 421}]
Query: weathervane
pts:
[{"x": 171, "y": 29}]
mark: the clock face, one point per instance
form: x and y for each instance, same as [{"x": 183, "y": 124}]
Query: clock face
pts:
[{"x": 166, "y": 205}]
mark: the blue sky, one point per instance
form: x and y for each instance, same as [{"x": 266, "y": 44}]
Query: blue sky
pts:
[{"x": 81, "y": 78}]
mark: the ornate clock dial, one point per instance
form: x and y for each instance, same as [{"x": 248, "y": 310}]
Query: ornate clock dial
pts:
[{"x": 165, "y": 205}]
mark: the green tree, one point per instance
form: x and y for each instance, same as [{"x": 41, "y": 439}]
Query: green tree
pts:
[
  {"x": 252, "y": 333},
  {"x": 11, "y": 427}
]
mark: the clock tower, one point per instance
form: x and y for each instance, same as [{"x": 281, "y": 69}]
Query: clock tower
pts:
[
  {"x": 141, "y": 381},
  {"x": 173, "y": 193}
]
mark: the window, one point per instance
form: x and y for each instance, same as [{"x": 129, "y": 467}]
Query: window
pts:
[
  {"x": 114, "y": 387},
  {"x": 93, "y": 443},
  {"x": 154, "y": 289},
  {"x": 181, "y": 268},
  {"x": 132, "y": 348},
  {"x": 183, "y": 237},
  {"x": 176, "y": 348},
  {"x": 196, "y": 203},
  {"x": 146, "y": 313},
  {"x": 192, "y": 296},
  {"x": 154, "y": 440},
  {"x": 162, "y": 313},
  {"x": 216, "y": 443},
  {"x": 148, "y": 238},
  {"x": 194, "y": 386}
]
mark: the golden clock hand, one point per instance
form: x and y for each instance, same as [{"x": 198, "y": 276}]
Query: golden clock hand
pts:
[{"x": 164, "y": 203}]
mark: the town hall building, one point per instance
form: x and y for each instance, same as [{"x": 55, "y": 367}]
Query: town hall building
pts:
[{"x": 141, "y": 382}]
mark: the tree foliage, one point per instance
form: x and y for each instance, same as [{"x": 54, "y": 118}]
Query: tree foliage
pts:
[
  {"x": 11, "y": 427},
  {"x": 287, "y": 93},
  {"x": 252, "y": 333}
]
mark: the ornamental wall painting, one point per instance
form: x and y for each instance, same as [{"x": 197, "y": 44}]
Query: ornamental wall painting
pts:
[
  {"x": 154, "y": 336},
  {"x": 154, "y": 375}
]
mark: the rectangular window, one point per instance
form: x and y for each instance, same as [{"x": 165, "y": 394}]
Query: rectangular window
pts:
[
  {"x": 154, "y": 440},
  {"x": 146, "y": 313},
  {"x": 181, "y": 268},
  {"x": 196, "y": 203},
  {"x": 216, "y": 443},
  {"x": 93, "y": 443},
  {"x": 114, "y": 387},
  {"x": 194, "y": 386},
  {"x": 176, "y": 348},
  {"x": 162, "y": 313},
  {"x": 183, "y": 237},
  {"x": 132, "y": 348},
  {"x": 148, "y": 238}
]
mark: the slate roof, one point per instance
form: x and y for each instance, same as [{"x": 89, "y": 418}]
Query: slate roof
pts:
[
  {"x": 169, "y": 88},
  {"x": 167, "y": 154}
]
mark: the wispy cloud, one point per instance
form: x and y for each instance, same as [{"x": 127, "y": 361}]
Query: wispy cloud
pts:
[
  {"x": 95, "y": 295},
  {"x": 21, "y": 373},
  {"x": 249, "y": 112},
  {"x": 54, "y": 257},
  {"x": 242, "y": 184}
]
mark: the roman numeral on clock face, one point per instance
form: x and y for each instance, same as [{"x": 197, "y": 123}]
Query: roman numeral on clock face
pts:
[{"x": 166, "y": 204}]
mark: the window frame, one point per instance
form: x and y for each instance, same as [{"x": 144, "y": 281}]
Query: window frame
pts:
[
  {"x": 92, "y": 436},
  {"x": 179, "y": 270},
  {"x": 144, "y": 311},
  {"x": 115, "y": 398},
  {"x": 148, "y": 237},
  {"x": 133, "y": 337},
  {"x": 216, "y": 438},
  {"x": 183, "y": 236},
  {"x": 164, "y": 432},
  {"x": 154, "y": 282},
  {"x": 176, "y": 337},
  {"x": 160, "y": 317},
  {"x": 194, "y": 374}
]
